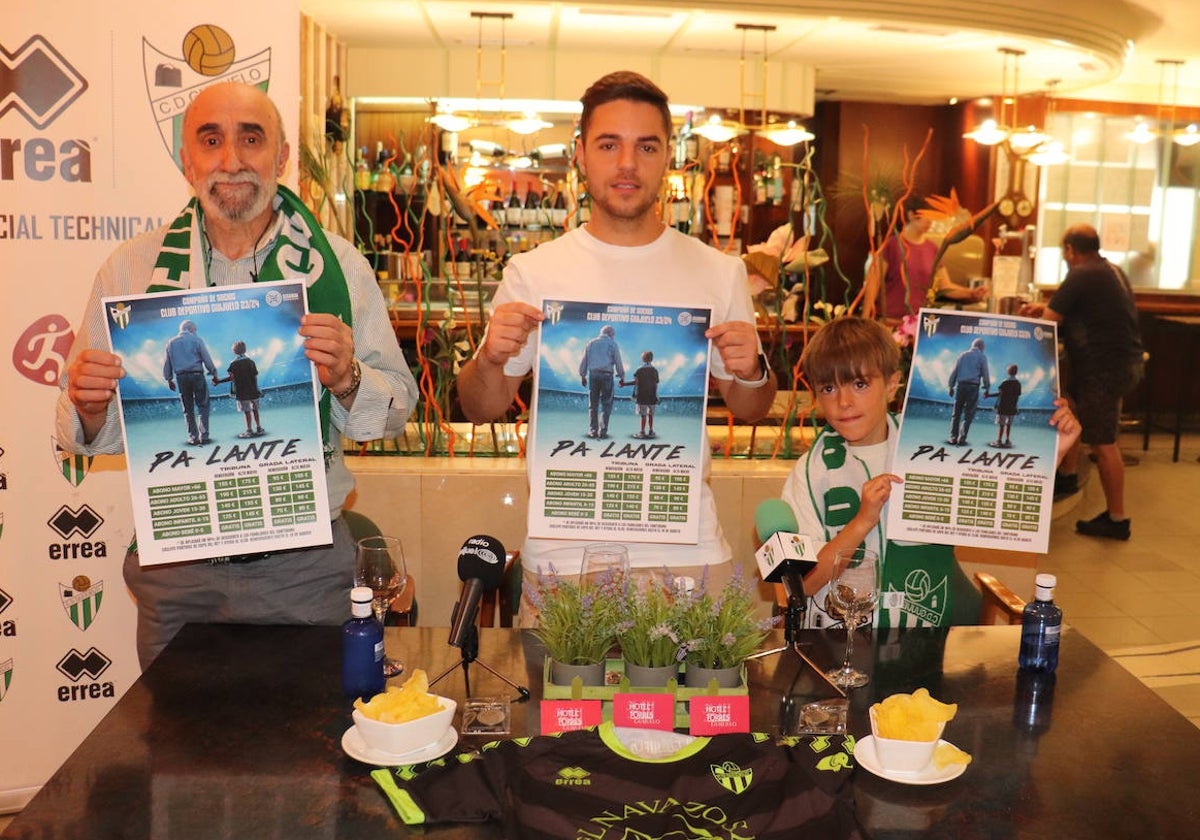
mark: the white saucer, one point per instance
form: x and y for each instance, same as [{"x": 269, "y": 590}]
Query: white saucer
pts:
[
  {"x": 356, "y": 748},
  {"x": 864, "y": 755}
]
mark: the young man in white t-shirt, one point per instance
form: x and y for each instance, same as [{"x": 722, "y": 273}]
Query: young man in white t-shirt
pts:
[{"x": 624, "y": 253}]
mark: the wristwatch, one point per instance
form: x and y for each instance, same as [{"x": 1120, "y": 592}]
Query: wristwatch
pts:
[{"x": 764, "y": 366}]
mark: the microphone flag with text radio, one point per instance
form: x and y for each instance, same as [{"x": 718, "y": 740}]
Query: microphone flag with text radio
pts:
[{"x": 481, "y": 569}]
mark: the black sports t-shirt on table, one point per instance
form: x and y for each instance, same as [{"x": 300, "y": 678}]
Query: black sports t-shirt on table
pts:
[{"x": 591, "y": 784}]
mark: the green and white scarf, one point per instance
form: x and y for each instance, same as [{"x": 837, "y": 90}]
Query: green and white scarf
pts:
[
  {"x": 301, "y": 251},
  {"x": 919, "y": 579}
]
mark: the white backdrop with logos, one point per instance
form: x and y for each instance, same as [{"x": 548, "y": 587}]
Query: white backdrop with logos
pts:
[{"x": 90, "y": 99}]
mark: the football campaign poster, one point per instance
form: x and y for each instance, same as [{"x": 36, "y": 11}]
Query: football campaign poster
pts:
[
  {"x": 976, "y": 449},
  {"x": 617, "y": 447},
  {"x": 234, "y": 466}
]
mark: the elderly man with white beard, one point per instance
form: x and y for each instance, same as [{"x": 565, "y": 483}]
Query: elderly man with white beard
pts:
[{"x": 243, "y": 227}]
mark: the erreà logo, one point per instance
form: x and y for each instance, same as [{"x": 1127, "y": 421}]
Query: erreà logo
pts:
[
  {"x": 76, "y": 665},
  {"x": 8, "y": 627},
  {"x": 573, "y": 776},
  {"x": 38, "y": 83},
  {"x": 70, "y": 522},
  {"x": 731, "y": 777},
  {"x": 207, "y": 55}
]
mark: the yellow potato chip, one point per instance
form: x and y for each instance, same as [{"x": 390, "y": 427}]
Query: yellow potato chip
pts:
[
  {"x": 947, "y": 754},
  {"x": 407, "y": 702},
  {"x": 912, "y": 717},
  {"x": 937, "y": 710}
]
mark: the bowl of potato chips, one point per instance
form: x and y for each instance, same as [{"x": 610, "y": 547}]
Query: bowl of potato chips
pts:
[
  {"x": 405, "y": 718},
  {"x": 907, "y": 729}
]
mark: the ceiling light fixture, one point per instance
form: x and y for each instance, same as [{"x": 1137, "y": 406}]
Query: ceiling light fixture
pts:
[
  {"x": 529, "y": 123},
  {"x": 1164, "y": 114},
  {"x": 782, "y": 135},
  {"x": 525, "y": 123},
  {"x": 1142, "y": 131},
  {"x": 717, "y": 130},
  {"x": 788, "y": 135},
  {"x": 1188, "y": 136},
  {"x": 449, "y": 121},
  {"x": 1004, "y": 128}
]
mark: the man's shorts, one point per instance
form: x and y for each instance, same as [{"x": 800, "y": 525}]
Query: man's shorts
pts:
[
  {"x": 1096, "y": 400},
  {"x": 247, "y": 406},
  {"x": 644, "y": 409}
]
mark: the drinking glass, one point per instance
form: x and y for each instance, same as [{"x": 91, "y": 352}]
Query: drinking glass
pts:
[
  {"x": 379, "y": 564},
  {"x": 603, "y": 558},
  {"x": 853, "y": 591}
]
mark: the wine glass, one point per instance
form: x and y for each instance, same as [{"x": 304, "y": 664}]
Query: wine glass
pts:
[
  {"x": 602, "y": 560},
  {"x": 853, "y": 591},
  {"x": 379, "y": 565}
]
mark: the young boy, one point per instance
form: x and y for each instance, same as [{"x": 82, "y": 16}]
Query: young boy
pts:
[
  {"x": 1006, "y": 407},
  {"x": 645, "y": 394},
  {"x": 244, "y": 374},
  {"x": 838, "y": 489}
]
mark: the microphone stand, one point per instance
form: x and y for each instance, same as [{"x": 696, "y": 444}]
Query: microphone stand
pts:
[
  {"x": 793, "y": 621},
  {"x": 470, "y": 652}
]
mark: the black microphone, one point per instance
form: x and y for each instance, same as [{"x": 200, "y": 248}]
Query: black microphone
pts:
[
  {"x": 481, "y": 569},
  {"x": 784, "y": 556}
]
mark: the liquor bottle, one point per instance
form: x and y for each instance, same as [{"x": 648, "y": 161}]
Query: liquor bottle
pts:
[
  {"x": 362, "y": 172},
  {"x": 1040, "y": 626},
  {"x": 362, "y": 648},
  {"x": 531, "y": 216},
  {"x": 776, "y": 187},
  {"x": 512, "y": 218},
  {"x": 558, "y": 213},
  {"x": 681, "y": 210},
  {"x": 382, "y": 180},
  {"x": 462, "y": 259}
]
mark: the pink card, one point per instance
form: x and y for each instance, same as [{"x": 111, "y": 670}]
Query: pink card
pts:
[
  {"x": 566, "y": 715},
  {"x": 644, "y": 711},
  {"x": 718, "y": 714}
]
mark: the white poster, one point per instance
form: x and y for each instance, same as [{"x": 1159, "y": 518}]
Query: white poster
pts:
[
  {"x": 87, "y": 163},
  {"x": 976, "y": 449},
  {"x": 228, "y": 466},
  {"x": 617, "y": 449}
]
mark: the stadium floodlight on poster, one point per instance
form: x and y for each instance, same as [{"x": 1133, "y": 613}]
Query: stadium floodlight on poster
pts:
[
  {"x": 634, "y": 473},
  {"x": 975, "y": 448},
  {"x": 249, "y": 477}
]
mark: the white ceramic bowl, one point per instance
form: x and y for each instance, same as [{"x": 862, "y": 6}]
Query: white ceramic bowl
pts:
[
  {"x": 898, "y": 756},
  {"x": 412, "y": 735}
]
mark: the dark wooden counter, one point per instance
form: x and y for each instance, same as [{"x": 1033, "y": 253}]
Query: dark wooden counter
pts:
[{"x": 234, "y": 732}]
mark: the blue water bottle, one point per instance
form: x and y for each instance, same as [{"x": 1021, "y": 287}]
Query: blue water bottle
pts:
[
  {"x": 1040, "y": 626},
  {"x": 362, "y": 648}
]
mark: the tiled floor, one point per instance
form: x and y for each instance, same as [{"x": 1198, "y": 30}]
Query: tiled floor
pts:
[{"x": 1139, "y": 600}]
